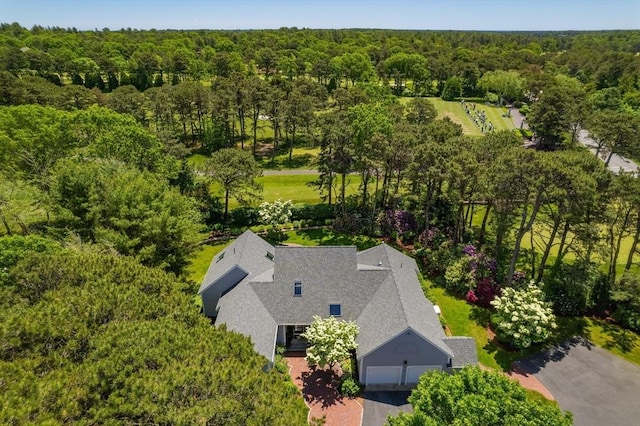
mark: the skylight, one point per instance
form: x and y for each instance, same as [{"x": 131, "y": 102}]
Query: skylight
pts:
[
  {"x": 220, "y": 257},
  {"x": 297, "y": 288},
  {"x": 269, "y": 255}
]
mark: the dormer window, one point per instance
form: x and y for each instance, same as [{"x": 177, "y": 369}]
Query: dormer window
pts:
[
  {"x": 297, "y": 288},
  {"x": 335, "y": 310}
]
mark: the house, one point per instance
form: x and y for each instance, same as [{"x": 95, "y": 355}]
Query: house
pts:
[{"x": 272, "y": 293}]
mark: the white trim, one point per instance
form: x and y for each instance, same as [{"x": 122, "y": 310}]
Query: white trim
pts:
[
  {"x": 386, "y": 367},
  {"x": 423, "y": 368}
]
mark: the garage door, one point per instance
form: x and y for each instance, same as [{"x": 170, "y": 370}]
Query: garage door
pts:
[
  {"x": 415, "y": 371},
  {"x": 384, "y": 375}
]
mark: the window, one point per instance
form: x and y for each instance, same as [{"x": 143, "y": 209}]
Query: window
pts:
[
  {"x": 269, "y": 255},
  {"x": 335, "y": 310},
  {"x": 297, "y": 288},
  {"x": 220, "y": 257}
]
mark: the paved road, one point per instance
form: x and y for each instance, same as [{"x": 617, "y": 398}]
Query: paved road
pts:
[
  {"x": 598, "y": 387},
  {"x": 270, "y": 172},
  {"x": 617, "y": 162},
  {"x": 378, "y": 405}
]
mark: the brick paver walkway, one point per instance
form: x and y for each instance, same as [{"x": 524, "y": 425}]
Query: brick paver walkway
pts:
[{"x": 320, "y": 394}]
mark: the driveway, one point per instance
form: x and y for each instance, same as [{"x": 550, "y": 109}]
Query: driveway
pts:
[
  {"x": 378, "y": 405},
  {"x": 598, "y": 387},
  {"x": 318, "y": 388}
]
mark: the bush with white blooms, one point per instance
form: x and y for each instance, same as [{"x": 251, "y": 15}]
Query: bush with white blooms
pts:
[
  {"x": 330, "y": 341},
  {"x": 276, "y": 213},
  {"x": 522, "y": 317}
]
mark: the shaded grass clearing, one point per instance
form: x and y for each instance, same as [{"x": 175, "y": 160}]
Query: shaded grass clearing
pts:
[{"x": 542, "y": 233}]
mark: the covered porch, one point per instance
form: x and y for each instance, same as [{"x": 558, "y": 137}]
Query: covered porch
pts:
[{"x": 290, "y": 337}]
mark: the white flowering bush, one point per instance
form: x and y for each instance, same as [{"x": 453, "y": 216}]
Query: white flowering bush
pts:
[
  {"x": 330, "y": 341},
  {"x": 523, "y": 317},
  {"x": 276, "y": 213}
]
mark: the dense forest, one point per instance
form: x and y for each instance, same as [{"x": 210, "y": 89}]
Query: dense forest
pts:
[{"x": 101, "y": 208}]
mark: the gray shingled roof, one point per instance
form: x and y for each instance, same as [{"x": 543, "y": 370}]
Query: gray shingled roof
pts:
[
  {"x": 378, "y": 288},
  {"x": 407, "y": 305},
  {"x": 248, "y": 251},
  {"x": 242, "y": 311},
  {"x": 464, "y": 351},
  {"x": 328, "y": 275}
]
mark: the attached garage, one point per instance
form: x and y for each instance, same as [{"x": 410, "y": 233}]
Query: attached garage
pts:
[
  {"x": 384, "y": 375},
  {"x": 415, "y": 371}
]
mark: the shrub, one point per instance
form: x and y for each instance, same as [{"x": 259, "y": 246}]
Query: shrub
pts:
[
  {"x": 244, "y": 216},
  {"x": 349, "y": 387},
  {"x": 458, "y": 277},
  {"x": 572, "y": 288},
  {"x": 523, "y": 317}
]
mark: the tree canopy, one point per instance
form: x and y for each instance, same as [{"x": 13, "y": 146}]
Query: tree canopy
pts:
[
  {"x": 91, "y": 338},
  {"x": 476, "y": 397}
]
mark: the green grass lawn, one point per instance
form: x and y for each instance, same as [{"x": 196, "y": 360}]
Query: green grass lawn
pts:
[
  {"x": 455, "y": 111},
  {"x": 290, "y": 187},
  {"x": 464, "y": 319},
  {"x": 301, "y": 158},
  {"x": 200, "y": 260},
  {"x": 326, "y": 237}
]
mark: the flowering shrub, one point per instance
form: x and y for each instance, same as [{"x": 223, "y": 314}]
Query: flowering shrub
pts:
[
  {"x": 330, "y": 340},
  {"x": 399, "y": 223},
  {"x": 473, "y": 275},
  {"x": 523, "y": 317},
  {"x": 276, "y": 213}
]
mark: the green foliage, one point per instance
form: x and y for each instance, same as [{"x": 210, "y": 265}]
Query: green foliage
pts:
[
  {"x": 476, "y": 397},
  {"x": 575, "y": 288},
  {"x": 330, "y": 340},
  {"x": 134, "y": 212},
  {"x": 236, "y": 172},
  {"x": 626, "y": 298},
  {"x": 99, "y": 339},
  {"x": 458, "y": 277},
  {"x": 349, "y": 387},
  {"x": 522, "y": 317}
]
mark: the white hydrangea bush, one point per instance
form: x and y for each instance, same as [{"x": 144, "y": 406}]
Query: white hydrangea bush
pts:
[
  {"x": 330, "y": 341},
  {"x": 276, "y": 213},
  {"x": 523, "y": 317}
]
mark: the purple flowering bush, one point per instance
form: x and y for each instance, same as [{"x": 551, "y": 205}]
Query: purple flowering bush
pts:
[
  {"x": 398, "y": 223},
  {"x": 474, "y": 275}
]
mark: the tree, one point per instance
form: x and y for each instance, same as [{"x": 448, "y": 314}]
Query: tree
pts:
[
  {"x": 616, "y": 133},
  {"x": 522, "y": 316},
  {"x": 330, "y": 341},
  {"x": 121, "y": 343},
  {"x": 236, "y": 172},
  {"x": 476, "y": 397},
  {"x": 134, "y": 212},
  {"x": 549, "y": 118},
  {"x": 506, "y": 84},
  {"x": 452, "y": 89}
]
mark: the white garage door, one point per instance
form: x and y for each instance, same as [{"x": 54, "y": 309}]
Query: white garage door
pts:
[
  {"x": 384, "y": 375},
  {"x": 415, "y": 371}
]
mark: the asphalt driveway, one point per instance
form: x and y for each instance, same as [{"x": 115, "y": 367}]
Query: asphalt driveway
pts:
[
  {"x": 598, "y": 387},
  {"x": 378, "y": 405}
]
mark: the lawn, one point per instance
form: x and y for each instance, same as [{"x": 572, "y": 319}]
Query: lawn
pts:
[
  {"x": 326, "y": 237},
  {"x": 296, "y": 188},
  {"x": 464, "y": 319},
  {"x": 455, "y": 111},
  {"x": 301, "y": 158},
  {"x": 200, "y": 260}
]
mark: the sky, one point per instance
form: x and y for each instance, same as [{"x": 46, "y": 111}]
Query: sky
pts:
[{"x": 481, "y": 15}]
